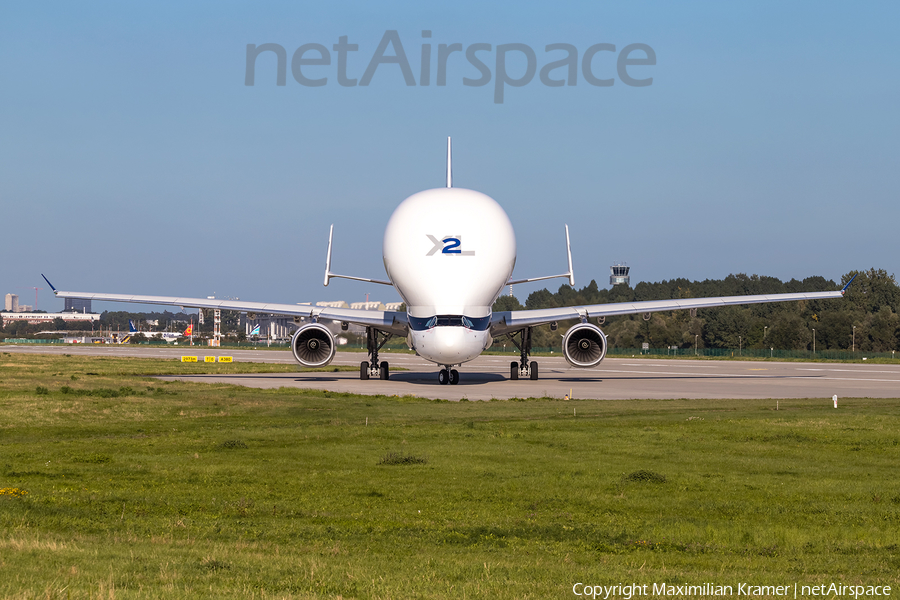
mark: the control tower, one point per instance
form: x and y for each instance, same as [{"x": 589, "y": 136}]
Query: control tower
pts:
[{"x": 618, "y": 273}]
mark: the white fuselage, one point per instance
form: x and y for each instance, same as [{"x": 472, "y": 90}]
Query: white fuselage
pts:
[
  {"x": 166, "y": 335},
  {"x": 449, "y": 252}
]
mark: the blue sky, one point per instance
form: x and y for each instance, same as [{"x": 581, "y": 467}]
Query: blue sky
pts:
[{"x": 134, "y": 159}]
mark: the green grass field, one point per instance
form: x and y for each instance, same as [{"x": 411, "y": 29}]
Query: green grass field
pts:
[{"x": 115, "y": 485}]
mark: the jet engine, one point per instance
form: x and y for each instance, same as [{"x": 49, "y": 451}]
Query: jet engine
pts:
[
  {"x": 313, "y": 345},
  {"x": 584, "y": 345}
]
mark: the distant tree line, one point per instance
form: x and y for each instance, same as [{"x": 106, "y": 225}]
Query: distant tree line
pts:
[{"x": 871, "y": 306}]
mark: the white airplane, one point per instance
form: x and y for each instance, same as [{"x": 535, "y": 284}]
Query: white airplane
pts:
[
  {"x": 169, "y": 336},
  {"x": 449, "y": 253}
]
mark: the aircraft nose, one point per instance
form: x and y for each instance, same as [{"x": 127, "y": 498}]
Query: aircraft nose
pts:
[
  {"x": 450, "y": 345},
  {"x": 450, "y": 338}
]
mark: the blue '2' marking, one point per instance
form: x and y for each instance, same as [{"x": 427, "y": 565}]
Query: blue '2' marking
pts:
[{"x": 452, "y": 247}]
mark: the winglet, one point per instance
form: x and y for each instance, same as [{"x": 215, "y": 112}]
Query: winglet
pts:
[
  {"x": 449, "y": 167},
  {"x": 48, "y": 283},
  {"x": 569, "y": 252},
  {"x": 328, "y": 256},
  {"x": 570, "y": 275},
  {"x": 329, "y": 275},
  {"x": 843, "y": 290}
]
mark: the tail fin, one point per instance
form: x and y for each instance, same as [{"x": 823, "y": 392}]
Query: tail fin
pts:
[
  {"x": 189, "y": 330},
  {"x": 131, "y": 328}
]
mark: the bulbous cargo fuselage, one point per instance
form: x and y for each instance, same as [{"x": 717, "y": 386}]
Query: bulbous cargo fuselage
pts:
[{"x": 449, "y": 252}]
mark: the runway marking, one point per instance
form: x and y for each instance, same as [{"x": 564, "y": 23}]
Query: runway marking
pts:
[
  {"x": 691, "y": 374},
  {"x": 858, "y": 379},
  {"x": 714, "y": 375},
  {"x": 708, "y": 366},
  {"x": 894, "y": 372}
]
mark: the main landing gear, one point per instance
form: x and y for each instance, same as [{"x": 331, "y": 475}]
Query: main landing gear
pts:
[
  {"x": 523, "y": 368},
  {"x": 375, "y": 339},
  {"x": 448, "y": 375}
]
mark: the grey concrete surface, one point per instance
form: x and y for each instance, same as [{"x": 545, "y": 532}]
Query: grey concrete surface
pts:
[{"x": 488, "y": 376}]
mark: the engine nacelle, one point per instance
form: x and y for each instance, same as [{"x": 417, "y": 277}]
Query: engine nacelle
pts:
[
  {"x": 313, "y": 345},
  {"x": 584, "y": 345}
]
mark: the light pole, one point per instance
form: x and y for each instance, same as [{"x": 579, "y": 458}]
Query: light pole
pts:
[
  {"x": 854, "y": 339},
  {"x": 695, "y": 344},
  {"x": 814, "y": 341},
  {"x": 765, "y": 331},
  {"x": 740, "y": 346}
]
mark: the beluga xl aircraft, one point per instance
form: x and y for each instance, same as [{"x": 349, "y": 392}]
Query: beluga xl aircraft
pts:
[{"x": 449, "y": 272}]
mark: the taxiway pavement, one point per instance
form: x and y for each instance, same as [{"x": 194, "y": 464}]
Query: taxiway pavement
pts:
[{"x": 487, "y": 377}]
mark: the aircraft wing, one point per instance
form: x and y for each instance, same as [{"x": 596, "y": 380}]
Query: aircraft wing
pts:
[
  {"x": 393, "y": 322},
  {"x": 504, "y": 322}
]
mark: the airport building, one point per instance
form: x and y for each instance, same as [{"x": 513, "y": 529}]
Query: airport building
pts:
[
  {"x": 280, "y": 327},
  {"x": 273, "y": 327},
  {"x": 374, "y": 305},
  {"x": 48, "y": 317},
  {"x": 333, "y": 304},
  {"x": 77, "y": 305}
]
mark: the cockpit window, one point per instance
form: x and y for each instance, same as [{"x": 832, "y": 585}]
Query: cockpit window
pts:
[{"x": 473, "y": 323}]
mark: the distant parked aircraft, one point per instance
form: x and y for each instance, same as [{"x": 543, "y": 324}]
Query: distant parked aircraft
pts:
[{"x": 166, "y": 335}]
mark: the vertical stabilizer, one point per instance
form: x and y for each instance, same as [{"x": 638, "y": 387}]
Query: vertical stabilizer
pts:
[{"x": 449, "y": 166}]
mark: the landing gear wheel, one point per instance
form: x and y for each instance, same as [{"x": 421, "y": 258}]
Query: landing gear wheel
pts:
[
  {"x": 513, "y": 370},
  {"x": 364, "y": 370},
  {"x": 444, "y": 377},
  {"x": 454, "y": 376},
  {"x": 534, "y": 371},
  {"x": 384, "y": 373}
]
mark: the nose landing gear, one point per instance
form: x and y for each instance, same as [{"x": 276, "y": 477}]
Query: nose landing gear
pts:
[{"x": 448, "y": 375}]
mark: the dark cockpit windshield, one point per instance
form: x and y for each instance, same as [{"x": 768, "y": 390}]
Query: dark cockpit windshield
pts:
[{"x": 474, "y": 323}]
